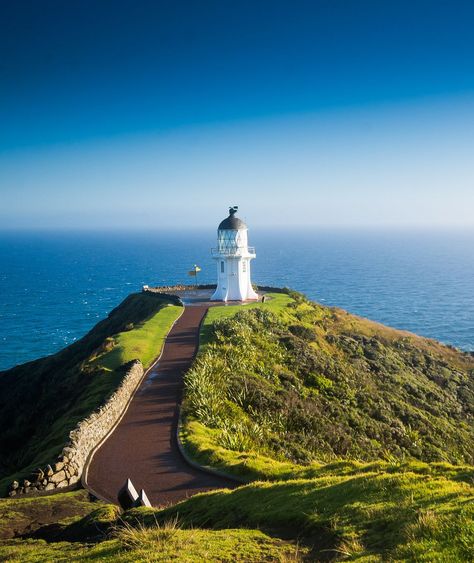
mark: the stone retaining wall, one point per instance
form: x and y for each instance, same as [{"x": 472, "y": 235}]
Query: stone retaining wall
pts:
[
  {"x": 68, "y": 468},
  {"x": 168, "y": 290}
]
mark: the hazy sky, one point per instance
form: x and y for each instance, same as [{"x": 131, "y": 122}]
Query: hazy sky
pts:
[{"x": 131, "y": 114}]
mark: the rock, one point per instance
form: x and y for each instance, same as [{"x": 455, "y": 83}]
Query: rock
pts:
[
  {"x": 68, "y": 452},
  {"x": 69, "y": 465},
  {"x": 58, "y": 477},
  {"x": 38, "y": 474}
]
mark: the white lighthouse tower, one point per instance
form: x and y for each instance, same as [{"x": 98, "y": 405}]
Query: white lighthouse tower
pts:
[{"x": 233, "y": 257}]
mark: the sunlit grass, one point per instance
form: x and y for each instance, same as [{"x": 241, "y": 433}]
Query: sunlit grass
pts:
[
  {"x": 386, "y": 516},
  {"x": 158, "y": 542},
  {"x": 143, "y": 342},
  {"x": 393, "y": 506},
  {"x": 276, "y": 303},
  {"x": 79, "y": 379}
]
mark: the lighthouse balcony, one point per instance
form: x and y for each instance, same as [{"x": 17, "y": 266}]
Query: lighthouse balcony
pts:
[{"x": 235, "y": 251}]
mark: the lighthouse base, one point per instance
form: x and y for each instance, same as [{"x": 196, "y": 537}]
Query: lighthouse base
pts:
[
  {"x": 233, "y": 278},
  {"x": 222, "y": 294}
]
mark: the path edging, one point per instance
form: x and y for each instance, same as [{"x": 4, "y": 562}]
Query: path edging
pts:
[
  {"x": 204, "y": 468},
  {"x": 181, "y": 447}
]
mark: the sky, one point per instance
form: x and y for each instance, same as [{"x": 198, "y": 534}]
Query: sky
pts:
[{"x": 161, "y": 114}]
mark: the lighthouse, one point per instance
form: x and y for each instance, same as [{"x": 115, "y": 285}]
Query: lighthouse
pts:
[{"x": 233, "y": 256}]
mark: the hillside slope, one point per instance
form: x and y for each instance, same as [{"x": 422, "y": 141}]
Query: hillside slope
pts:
[
  {"x": 297, "y": 395},
  {"x": 68, "y": 527},
  {"x": 311, "y": 383},
  {"x": 41, "y": 401},
  {"x": 349, "y": 426}
]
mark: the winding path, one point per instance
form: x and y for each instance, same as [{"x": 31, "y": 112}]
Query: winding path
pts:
[{"x": 144, "y": 446}]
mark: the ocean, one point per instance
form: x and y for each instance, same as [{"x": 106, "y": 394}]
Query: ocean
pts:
[{"x": 54, "y": 286}]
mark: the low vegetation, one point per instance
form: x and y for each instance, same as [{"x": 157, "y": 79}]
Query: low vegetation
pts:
[
  {"x": 68, "y": 527},
  {"x": 275, "y": 303},
  {"x": 356, "y": 442},
  {"x": 361, "y": 435},
  {"x": 25, "y": 516},
  {"x": 371, "y": 516},
  {"x": 309, "y": 383},
  {"x": 201, "y": 444},
  {"x": 41, "y": 401},
  {"x": 143, "y": 341},
  {"x": 359, "y": 514}
]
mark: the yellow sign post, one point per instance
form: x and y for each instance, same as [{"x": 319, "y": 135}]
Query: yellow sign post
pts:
[{"x": 194, "y": 272}]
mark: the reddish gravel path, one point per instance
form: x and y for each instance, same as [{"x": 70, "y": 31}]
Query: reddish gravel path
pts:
[{"x": 143, "y": 446}]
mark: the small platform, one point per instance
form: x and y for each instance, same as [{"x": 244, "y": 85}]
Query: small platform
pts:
[
  {"x": 196, "y": 296},
  {"x": 192, "y": 297}
]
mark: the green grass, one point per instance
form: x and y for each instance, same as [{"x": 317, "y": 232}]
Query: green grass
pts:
[
  {"x": 342, "y": 426},
  {"x": 305, "y": 383},
  {"x": 277, "y": 302},
  {"x": 200, "y": 444},
  {"x": 165, "y": 542},
  {"x": 367, "y": 517},
  {"x": 72, "y": 528},
  {"x": 27, "y": 514},
  {"x": 184, "y": 546},
  {"x": 42, "y": 401},
  {"x": 362, "y": 433},
  {"x": 352, "y": 512},
  {"x": 143, "y": 342}
]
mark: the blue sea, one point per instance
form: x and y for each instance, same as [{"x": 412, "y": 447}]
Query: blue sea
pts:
[{"x": 55, "y": 286}]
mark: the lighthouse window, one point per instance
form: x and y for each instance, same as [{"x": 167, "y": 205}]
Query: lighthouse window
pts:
[
  {"x": 244, "y": 266},
  {"x": 222, "y": 266}
]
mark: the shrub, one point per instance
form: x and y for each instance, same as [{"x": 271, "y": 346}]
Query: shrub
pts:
[{"x": 349, "y": 388}]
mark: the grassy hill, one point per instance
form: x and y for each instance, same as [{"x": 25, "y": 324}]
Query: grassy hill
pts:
[
  {"x": 69, "y": 527},
  {"x": 41, "y": 401},
  {"x": 356, "y": 440},
  {"x": 361, "y": 435},
  {"x": 373, "y": 513},
  {"x": 306, "y": 383}
]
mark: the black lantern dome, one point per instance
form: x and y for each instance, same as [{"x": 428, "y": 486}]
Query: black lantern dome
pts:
[{"x": 232, "y": 223}]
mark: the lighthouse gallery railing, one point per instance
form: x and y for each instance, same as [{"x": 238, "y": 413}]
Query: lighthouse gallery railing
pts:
[{"x": 232, "y": 251}]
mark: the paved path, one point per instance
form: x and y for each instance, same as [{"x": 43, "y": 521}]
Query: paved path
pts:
[{"x": 143, "y": 446}]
